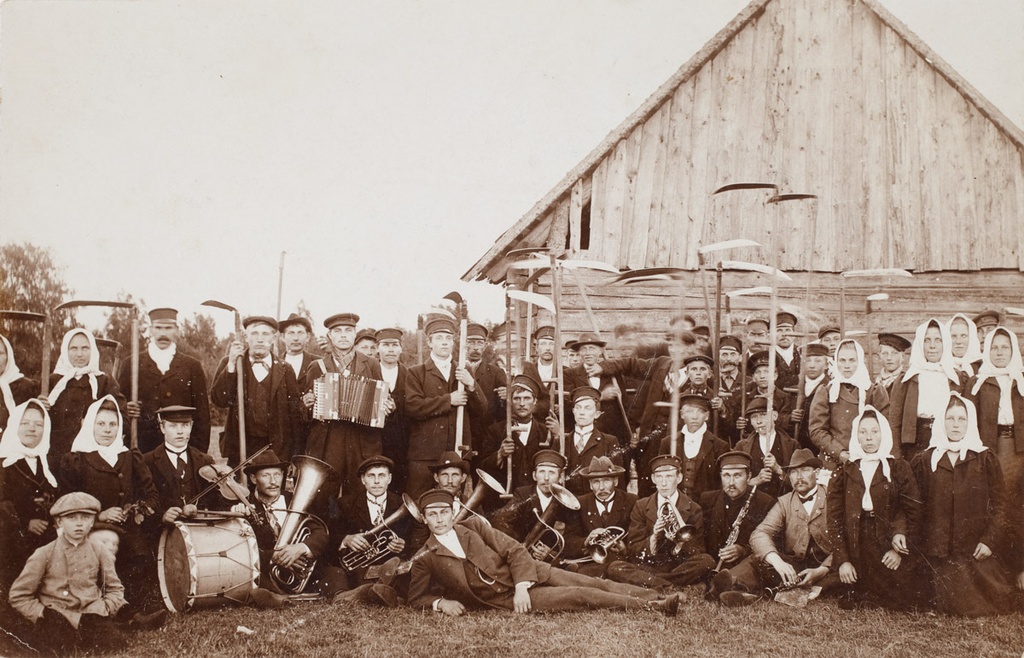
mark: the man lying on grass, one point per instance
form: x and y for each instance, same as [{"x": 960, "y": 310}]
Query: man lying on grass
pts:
[{"x": 472, "y": 566}]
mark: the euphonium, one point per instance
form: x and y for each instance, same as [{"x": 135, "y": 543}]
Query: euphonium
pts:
[
  {"x": 379, "y": 537},
  {"x": 297, "y": 525},
  {"x": 566, "y": 499}
]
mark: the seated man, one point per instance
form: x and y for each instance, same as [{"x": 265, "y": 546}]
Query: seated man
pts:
[
  {"x": 606, "y": 506},
  {"x": 283, "y": 569},
  {"x": 365, "y": 510},
  {"x": 175, "y": 466},
  {"x": 472, "y": 566},
  {"x": 732, "y": 513},
  {"x": 666, "y": 535},
  {"x": 69, "y": 588},
  {"x": 791, "y": 547},
  {"x": 519, "y": 517}
]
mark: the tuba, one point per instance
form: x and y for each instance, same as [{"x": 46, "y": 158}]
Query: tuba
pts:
[
  {"x": 564, "y": 498},
  {"x": 298, "y": 524},
  {"x": 379, "y": 537},
  {"x": 486, "y": 482}
]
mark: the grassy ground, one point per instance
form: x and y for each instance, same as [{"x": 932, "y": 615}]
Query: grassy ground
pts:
[{"x": 313, "y": 630}]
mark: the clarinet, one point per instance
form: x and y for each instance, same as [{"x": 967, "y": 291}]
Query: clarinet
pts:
[{"x": 734, "y": 532}]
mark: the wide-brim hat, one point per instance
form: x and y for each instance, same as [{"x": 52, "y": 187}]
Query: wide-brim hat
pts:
[
  {"x": 295, "y": 318},
  {"x": 266, "y": 459},
  {"x": 602, "y": 467},
  {"x": 589, "y": 338},
  {"x": 449, "y": 459},
  {"x": 803, "y": 457}
]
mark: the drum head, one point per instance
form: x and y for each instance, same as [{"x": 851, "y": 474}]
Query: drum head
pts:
[{"x": 174, "y": 570}]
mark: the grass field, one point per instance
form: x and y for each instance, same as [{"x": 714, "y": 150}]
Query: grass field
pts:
[{"x": 821, "y": 630}]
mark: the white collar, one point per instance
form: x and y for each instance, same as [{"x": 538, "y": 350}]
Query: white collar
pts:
[
  {"x": 450, "y": 540},
  {"x": 671, "y": 500}
]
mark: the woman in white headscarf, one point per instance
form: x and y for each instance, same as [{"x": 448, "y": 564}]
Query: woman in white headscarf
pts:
[
  {"x": 998, "y": 393},
  {"x": 27, "y": 488},
  {"x": 100, "y": 464},
  {"x": 874, "y": 512},
  {"x": 919, "y": 400},
  {"x": 964, "y": 344},
  {"x": 835, "y": 404},
  {"x": 963, "y": 523},
  {"x": 15, "y": 387},
  {"x": 76, "y": 382}
]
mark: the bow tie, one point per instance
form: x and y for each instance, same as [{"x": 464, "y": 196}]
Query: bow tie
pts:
[{"x": 809, "y": 497}]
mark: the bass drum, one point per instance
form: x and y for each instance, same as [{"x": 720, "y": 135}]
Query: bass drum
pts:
[{"x": 207, "y": 563}]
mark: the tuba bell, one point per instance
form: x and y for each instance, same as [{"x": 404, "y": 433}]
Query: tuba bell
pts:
[
  {"x": 311, "y": 473},
  {"x": 486, "y": 481},
  {"x": 563, "y": 497}
]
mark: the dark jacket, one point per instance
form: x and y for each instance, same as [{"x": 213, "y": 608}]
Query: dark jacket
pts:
[
  {"x": 986, "y": 401},
  {"x": 587, "y": 519},
  {"x": 184, "y": 383},
  {"x": 641, "y": 526},
  {"x": 174, "y": 491},
  {"x": 428, "y": 404},
  {"x": 517, "y": 518},
  {"x": 286, "y": 409},
  {"x": 720, "y": 514},
  {"x": 782, "y": 449},
  {"x": 897, "y": 508},
  {"x": 67, "y": 412},
  {"x": 705, "y": 474}
]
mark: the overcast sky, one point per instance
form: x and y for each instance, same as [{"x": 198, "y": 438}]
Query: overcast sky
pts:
[{"x": 173, "y": 149}]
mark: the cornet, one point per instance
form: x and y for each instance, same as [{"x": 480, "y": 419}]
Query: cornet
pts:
[
  {"x": 676, "y": 532},
  {"x": 379, "y": 538},
  {"x": 600, "y": 545}
]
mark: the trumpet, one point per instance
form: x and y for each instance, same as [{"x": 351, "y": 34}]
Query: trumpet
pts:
[
  {"x": 298, "y": 524},
  {"x": 566, "y": 499},
  {"x": 600, "y": 545},
  {"x": 379, "y": 536},
  {"x": 676, "y": 532}
]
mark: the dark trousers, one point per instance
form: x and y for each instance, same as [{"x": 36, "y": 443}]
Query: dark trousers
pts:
[
  {"x": 565, "y": 590},
  {"x": 53, "y": 634},
  {"x": 662, "y": 576}
]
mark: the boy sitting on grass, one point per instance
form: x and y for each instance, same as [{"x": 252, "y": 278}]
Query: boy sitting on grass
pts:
[{"x": 69, "y": 588}]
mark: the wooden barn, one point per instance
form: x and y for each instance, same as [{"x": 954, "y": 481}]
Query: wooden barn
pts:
[{"x": 912, "y": 169}]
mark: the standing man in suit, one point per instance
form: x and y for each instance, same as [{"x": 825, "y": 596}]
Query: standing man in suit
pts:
[
  {"x": 792, "y": 546},
  {"x": 586, "y": 441},
  {"x": 527, "y": 436},
  {"x": 343, "y": 444},
  {"x": 730, "y": 389},
  {"x": 432, "y": 400},
  {"x": 590, "y": 373},
  {"x": 722, "y": 510},
  {"x": 472, "y": 566},
  {"x": 167, "y": 377},
  {"x": 892, "y": 349},
  {"x": 815, "y": 375},
  {"x": 697, "y": 448},
  {"x": 787, "y": 356},
  {"x": 273, "y": 405},
  {"x": 395, "y": 435},
  {"x": 296, "y": 331},
  {"x": 666, "y": 535},
  {"x": 489, "y": 376},
  {"x": 769, "y": 448},
  {"x": 608, "y": 505}
]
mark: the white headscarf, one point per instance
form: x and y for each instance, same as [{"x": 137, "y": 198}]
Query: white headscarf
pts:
[
  {"x": 1005, "y": 377},
  {"x": 10, "y": 374},
  {"x": 860, "y": 377},
  {"x": 85, "y": 441},
  {"x": 933, "y": 379},
  {"x": 973, "y": 352},
  {"x": 11, "y": 448},
  {"x": 971, "y": 440},
  {"x": 881, "y": 456},
  {"x": 69, "y": 372}
]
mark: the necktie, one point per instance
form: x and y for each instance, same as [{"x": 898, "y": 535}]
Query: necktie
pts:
[
  {"x": 378, "y": 512},
  {"x": 181, "y": 467},
  {"x": 581, "y": 441},
  {"x": 274, "y": 523}
]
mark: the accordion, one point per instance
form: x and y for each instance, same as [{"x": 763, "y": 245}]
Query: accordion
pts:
[{"x": 355, "y": 399}]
